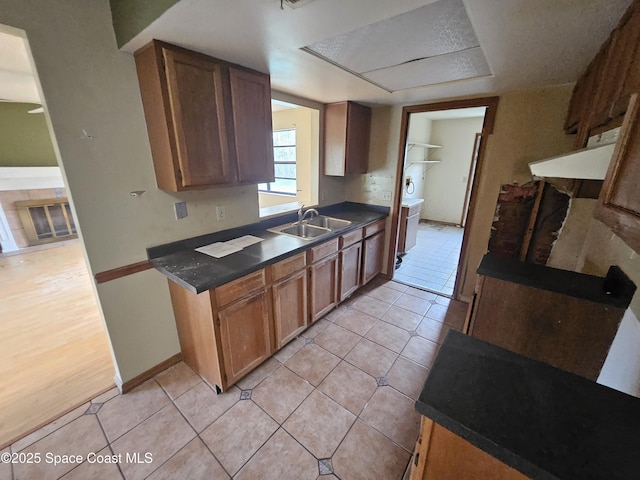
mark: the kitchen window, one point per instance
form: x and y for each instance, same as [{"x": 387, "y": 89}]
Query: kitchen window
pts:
[{"x": 284, "y": 155}]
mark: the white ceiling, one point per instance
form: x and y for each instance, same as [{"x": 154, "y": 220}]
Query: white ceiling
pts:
[
  {"x": 453, "y": 114},
  {"x": 527, "y": 43}
]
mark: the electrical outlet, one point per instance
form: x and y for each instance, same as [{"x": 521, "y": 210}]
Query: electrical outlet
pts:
[
  {"x": 386, "y": 196},
  {"x": 180, "y": 209},
  {"x": 221, "y": 214},
  {"x": 408, "y": 181}
]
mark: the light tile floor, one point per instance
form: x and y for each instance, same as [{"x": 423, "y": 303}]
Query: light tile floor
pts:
[
  {"x": 335, "y": 403},
  {"x": 433, "y": 262}
]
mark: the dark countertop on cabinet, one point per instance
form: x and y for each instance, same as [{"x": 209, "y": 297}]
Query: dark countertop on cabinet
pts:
[
  {"x": 199, "y": 272},
  {"x": 544, "y": 422}
]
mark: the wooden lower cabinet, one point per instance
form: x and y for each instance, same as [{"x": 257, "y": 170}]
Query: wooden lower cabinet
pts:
[
  {"x": 372, "y": 255},
  {"x": 409, "y": 221},
  {"x": 245, "y": 335},
  {"x": 442, "y": 455},
  {"x": 290, "y": 310},
  {"x": 323, "y": 286},
  {"x": 350, "y": 260}
]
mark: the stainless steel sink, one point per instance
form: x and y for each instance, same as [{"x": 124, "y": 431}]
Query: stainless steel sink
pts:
[
  {"x": 329, "y": 222},
  {"x": 301, "y": 230}
]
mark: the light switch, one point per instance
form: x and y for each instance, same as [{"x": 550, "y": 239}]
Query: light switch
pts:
[
  {"x": 181, "y": 209},
  {"x": 221, "y": 214}
]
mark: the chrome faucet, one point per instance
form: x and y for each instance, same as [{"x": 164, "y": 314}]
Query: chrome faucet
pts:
[{"x": 302, "y": 214}]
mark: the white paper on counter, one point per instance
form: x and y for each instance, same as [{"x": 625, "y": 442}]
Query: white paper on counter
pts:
[
  {"x": 219, "y": 249},
  {"x": 244, "y": 241}
]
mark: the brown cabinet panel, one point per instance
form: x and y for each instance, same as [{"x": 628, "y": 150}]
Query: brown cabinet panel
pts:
[
  {"x": 619, "y": 203},
  {"x": 253, "y": 133},
  {"x": 287, "y": 266},
  {"x": 408, "y": 228},
  {"x": 245, "y": 335},
  {"x": 324, "y": 249},
  {"x": 627, "y": 80},
  {"x": 372, "y": 256},
  {"x": 351, "y": 238},
  {"x": 232, "y": 291},
  {"x": 349, "y": 265},
  {"x": 347, "y": 133},
  {"x": 323, "y": 286},
  {"x": 290, "y": 310}
]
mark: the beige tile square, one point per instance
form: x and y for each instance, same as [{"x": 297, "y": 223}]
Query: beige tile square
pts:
[
  {"x": 317, "y": 327},
  {"x": 281, "y": 393},
  {"x": 281, "y": 458},
  {"x": 259, "y": 374},
  {"x": 193, "y": 462},
  {"x": 356, "y": 321},
  {"x": 367, "y": 454},
  {"x": 395, "y": 286},
  {"x": 337, "y": 340},
  {"x": 349, "y": 386},
  {"x": 389, "y": 336},
  {"x": 79, "y": 437},
  {"x": 122, "y": 413},
  {"x": 394, "y": 415},
  {"x": 336, "y": 312},
  {"x": 106, "y": 396},
  {"x": 413, "y": 304},
  {"x": 246, "y": 428},
  {"x": 440, "y": 300},
  {"x": 177, "y": 379},
  {"x": 423, "y": 294},
  {"x": 289, "y": 350},
  {"x": 407, "y": 377},
  {"x": 456, "y": 314},
  {"x": 371, "y": 358},
  {"x": 371, "y": 306},
  {"x": 402, "y": 318},
  {"x": 101, "y": 466},
  {"x": 437, "y": 312},
  {"x": 385, "y": 294},
  {"x": 201, "y": 406},
  {"x": 5, "y": 467},
  {"x": 432, "y": 330},
  {"x": 319, "y": 424},
  {"x": 420, "y": 351},
  {"x": 160, "y": 436},
  {"x": 24, "y": 442},
  {"x": 313, "y": 363}
]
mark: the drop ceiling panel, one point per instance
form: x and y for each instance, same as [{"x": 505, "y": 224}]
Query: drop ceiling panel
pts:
[
  {"x": 430, "y": 71},
  {"x": 434, "y": 31}
]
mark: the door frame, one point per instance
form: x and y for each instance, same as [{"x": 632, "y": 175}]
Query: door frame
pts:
[{"x": 487, "y": 128}]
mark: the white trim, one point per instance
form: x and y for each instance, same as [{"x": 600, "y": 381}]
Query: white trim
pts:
[
  {"x": 6, "y": 237},
  {"x": 30, "y": 178}
]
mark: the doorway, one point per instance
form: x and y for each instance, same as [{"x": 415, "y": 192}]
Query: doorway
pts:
[
  {"x": 440, "y": 159},
  {"x": 54, "y": 351}
]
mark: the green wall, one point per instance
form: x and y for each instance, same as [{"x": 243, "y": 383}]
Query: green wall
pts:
[
  {"x": 130, "y": 17},
  {"x": 24, "y": 137}
]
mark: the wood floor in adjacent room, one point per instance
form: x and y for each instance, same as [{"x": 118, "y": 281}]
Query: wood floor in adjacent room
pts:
[{"x": 53, "y": 348}]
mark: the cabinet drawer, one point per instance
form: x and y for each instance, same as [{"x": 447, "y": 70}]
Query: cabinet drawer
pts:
[
  {"x": 241, "y": 287},
  {"x": 411, "y": 210},
  {"x": 316, "y": 253},
  {"x": 288, "y": 266},
  {"x": 374, "y": 228},
  {"x": 350, "y": 238}
]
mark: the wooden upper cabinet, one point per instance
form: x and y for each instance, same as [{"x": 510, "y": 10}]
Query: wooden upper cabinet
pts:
[
  {"x": 627, "y": 80},
  {"x": 251, "y": 102},
  {"x": 347, "y": 133},
  {"x": 619, "y": 203},
  {"x": 209, "y": 122}
]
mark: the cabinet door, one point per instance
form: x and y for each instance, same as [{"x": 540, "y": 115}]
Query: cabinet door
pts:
[
  {"x": 358, "y": 133},
  {"x": 347, "y": 132},
  {"x": 290, "y": 307},
  {"x": 372, "y": 256},
  {"x": 412, "y": 232},
  {"x": 199, "y": 119},
  {"x": 350, "y": 261},
  {"x": 251, "y": 100},
  {"x": 619, "y": 203},
  {"x": 627, "y": 80},
  {"x": 323, "y": 286},
  {"x": 245, "y": 335}
]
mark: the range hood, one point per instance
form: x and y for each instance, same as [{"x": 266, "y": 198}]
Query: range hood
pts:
[{"x": 586, "y": 164}]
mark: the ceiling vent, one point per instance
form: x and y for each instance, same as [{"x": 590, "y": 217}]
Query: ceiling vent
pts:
[{"x": 293, "y": 3}]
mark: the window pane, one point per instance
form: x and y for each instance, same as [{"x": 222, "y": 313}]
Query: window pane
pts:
[
  {"x": 284, "y": 137},
  {"x": 284, "y": 154},
  {"x": 285, "y": 170},
  {"x": 284, "y": 186}
]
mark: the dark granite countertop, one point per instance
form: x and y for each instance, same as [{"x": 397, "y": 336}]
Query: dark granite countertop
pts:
[
  {"x": 616, "y": 289},
  {"x": 199, "y": 272},
  {"x": 544, "y": 422}
]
